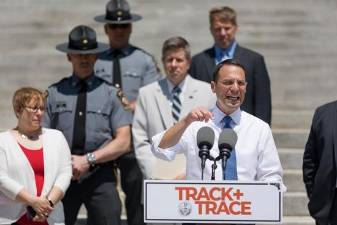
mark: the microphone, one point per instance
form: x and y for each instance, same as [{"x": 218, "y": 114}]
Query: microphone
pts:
[
  {"x": 226, "y": 143},
  {"x": 205, "y": 141}
]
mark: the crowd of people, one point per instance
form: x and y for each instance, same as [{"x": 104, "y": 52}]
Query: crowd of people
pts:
[{"x": 117, "y": 111}]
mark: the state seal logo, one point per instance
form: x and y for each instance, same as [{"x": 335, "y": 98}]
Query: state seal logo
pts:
[{"x": 185, "y": 208}]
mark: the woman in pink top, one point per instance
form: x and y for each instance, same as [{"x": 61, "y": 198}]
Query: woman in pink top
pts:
[{"x": 35, "y": 166}]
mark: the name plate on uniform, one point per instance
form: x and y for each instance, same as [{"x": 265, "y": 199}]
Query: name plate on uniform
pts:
[{"x": 186, "y": 201}]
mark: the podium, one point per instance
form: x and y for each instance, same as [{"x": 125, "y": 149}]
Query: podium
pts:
[{"x": 187, "y": 201}]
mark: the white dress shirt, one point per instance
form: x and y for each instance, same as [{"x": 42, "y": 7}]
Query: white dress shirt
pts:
[{"x": 256, "y": 153}]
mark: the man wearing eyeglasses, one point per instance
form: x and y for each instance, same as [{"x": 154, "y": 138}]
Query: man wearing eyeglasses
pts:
[{"x": 129, "y": 68}]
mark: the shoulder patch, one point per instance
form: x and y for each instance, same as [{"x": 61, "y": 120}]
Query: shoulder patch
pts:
[{"x": 123, "y": 99}]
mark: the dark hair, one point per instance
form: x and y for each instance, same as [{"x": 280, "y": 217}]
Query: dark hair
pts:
[
  {"x": 225, "y": 14},
  {"x": 175, "y": 43},
  {"x": 232, "y": 62}
]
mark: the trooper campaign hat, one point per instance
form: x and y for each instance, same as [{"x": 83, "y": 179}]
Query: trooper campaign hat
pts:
[
  {"x": 118, "y": 12},
  {"x": 82, "y": 40}
]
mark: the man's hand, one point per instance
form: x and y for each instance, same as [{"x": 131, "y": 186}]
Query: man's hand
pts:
[
  {"x": 173, "y": 134},
  {"x": 199, "y": 114},
  {"x": 80, "y": 166},
  {"x": 132, "y": 106}
]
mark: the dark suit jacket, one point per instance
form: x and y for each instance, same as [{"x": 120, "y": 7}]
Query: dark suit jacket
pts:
[
  {"x": 319, "y": 162},
  {"x": 258, "y": 96}
]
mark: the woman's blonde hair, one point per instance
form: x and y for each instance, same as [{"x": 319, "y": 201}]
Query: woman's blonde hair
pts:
[{"x": 23, "y": 96}]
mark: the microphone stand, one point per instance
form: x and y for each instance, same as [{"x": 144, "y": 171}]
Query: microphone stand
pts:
[
  {"x": 223, "y": 163},
  {"x": 214, "y": 166},
  {"x": 203, "y": 163}
]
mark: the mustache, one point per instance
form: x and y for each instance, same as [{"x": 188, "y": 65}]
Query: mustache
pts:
[{"x": 84, "y": 64}]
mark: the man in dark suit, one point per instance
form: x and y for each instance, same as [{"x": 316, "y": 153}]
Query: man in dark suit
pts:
[
  {"x": 223, "y": 28},
  {"x": 319, "y": 165}
]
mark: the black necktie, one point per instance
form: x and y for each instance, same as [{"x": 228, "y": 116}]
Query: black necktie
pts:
[
  {"x": 79, "y": 122},
  {"x": 117, "y": 79},
  {"x": 176, "y": 104}
]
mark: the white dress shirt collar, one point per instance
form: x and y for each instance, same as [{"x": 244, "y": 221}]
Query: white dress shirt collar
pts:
[
  {"x": 181, "y": 85},
  {"x": 219, "y": 115}
]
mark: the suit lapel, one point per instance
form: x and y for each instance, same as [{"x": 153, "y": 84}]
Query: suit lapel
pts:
[
  {"x": 237, "y": 52},
  {"x": 162, "y": 99},
  {"x": 189, "y": 96},
  {"x": 334, "y": 133},
  {"x": 210, "y": 62}
]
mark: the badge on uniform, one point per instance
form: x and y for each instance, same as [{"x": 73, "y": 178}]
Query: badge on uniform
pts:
[
  {"x": 61, "y": 104},
  {"x": 123, "y": 99}
]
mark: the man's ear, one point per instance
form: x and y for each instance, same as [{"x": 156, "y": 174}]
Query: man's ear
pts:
[
  {"x": 69, "y": 57},
  {"x": 106, "y": 28},
  {"x": 213, "y": 86}
]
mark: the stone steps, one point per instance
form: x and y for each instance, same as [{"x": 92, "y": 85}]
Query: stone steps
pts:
[
  {"x": 295, "y": 204},
  {"x": 291, "y": 158},
  {"x": 290, "y": 138},
  {"x": 297, "y": 38},
  {"x": 287, "y": 119},
  {"x": 293, "y": 180}
]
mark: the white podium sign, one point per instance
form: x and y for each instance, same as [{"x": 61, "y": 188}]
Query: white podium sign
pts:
[{"x": 186, "y": 201}]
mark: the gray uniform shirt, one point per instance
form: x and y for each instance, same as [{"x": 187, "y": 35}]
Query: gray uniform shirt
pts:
[
  {"x": 138, "y": 69},
  {"x": 104, "y": 111}
]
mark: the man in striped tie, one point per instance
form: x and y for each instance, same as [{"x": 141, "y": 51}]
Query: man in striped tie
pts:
[{"x": 161, "y": 104}]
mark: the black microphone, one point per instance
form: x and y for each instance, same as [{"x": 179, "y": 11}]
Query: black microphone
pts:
[
  {"x": 226, "y": 143},
  {"x": 205, "y": 141}
]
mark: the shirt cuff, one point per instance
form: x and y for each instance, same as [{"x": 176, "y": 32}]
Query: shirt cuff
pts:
[{"x": 167, "y": 154}]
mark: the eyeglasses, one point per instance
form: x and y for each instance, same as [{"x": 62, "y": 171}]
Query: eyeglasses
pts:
[{"x": 34, "y": 110}]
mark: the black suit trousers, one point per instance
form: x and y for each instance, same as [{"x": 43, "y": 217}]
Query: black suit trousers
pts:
[{"x": 332, "y": 220}]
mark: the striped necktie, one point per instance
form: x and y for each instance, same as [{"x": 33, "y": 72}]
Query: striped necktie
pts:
[
  {"x": 176, "y": 104},
  {"x": 231, "y": 169}
]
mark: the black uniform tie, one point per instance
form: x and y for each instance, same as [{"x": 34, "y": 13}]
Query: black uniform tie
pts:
[
  {"x": 117, "y": 79},
  {"x": 79, "y": 123}
]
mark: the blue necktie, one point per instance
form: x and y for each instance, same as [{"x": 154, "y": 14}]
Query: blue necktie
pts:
[
  {"x": 231, "y": 170},
  {"x": 223, "y": 55}
]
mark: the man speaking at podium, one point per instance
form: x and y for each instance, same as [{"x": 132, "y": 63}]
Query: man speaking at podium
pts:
[{"x": 254, "y": 156}]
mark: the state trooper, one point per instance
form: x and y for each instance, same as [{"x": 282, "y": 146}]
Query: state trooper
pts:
[
  {"x": 129, "y": 68},
  {"x": 93, "y": 117}
]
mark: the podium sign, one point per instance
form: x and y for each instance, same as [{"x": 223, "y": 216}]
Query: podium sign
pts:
[{"x": 186, "y": 201}]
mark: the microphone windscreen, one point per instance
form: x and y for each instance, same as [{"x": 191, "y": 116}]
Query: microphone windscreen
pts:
[
  {"x": 205, "y": 136},
  {"x": 227, "y": 139}
]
